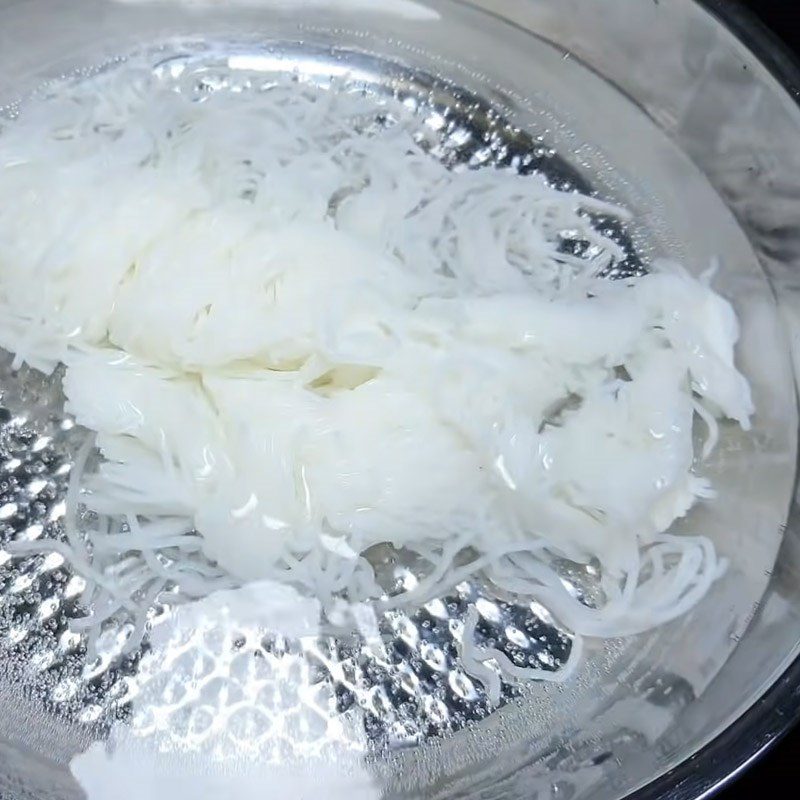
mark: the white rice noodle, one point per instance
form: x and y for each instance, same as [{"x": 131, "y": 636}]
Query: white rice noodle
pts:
[
  {"x": 297, "y": 336},
  {"x": 476, "y": 661}
]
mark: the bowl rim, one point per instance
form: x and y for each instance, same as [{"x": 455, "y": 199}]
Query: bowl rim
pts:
[{"x": 718, "y": 765}]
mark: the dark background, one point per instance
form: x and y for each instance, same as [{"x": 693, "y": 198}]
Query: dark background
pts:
[
  {"x": 782, "y": 766},
  {"x": 783, "y": 16}
]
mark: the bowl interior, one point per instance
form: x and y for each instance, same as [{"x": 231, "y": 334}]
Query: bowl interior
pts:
[{"x": 699, "y": 146}]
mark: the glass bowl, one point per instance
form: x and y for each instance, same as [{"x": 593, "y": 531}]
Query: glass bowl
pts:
[{"x": 684, "y": 111}]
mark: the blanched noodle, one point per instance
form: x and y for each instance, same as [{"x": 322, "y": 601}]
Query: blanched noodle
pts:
[{"x": 296, "y": 336}]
